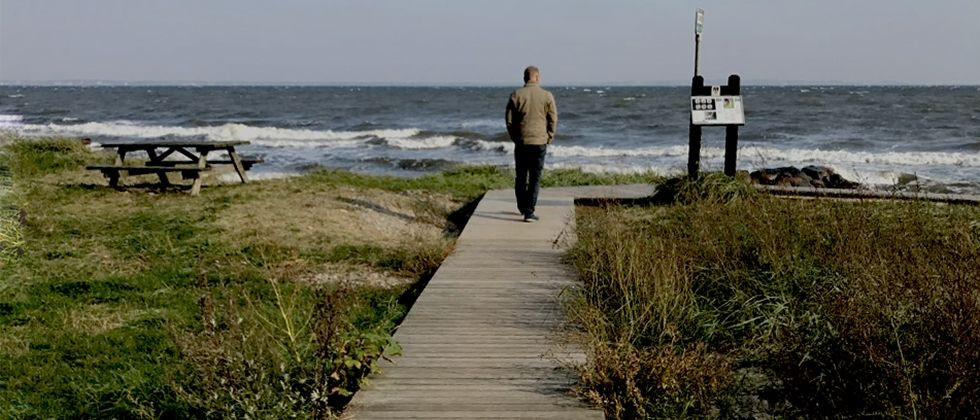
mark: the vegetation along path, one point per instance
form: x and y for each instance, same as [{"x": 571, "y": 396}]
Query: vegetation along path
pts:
[{"x": 482, "y": 339}]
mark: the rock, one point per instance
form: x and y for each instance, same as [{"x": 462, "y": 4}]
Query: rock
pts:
[
  {"x": 817, "y": 172},
  {"x": 764, "y": 176},
  {"x": 789, "y": 171},
  {"x": 796, "y": 181},
  {"x": 810, "y": 176},
  {"x": 905, "y": 179},
  {"x": 837, "y": 181}
]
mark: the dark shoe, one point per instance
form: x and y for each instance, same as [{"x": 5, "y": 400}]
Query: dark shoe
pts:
[{"x": 530, "y": 218}]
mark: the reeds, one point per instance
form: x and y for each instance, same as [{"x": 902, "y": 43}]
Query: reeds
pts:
[{"x": 730, "y": 303}]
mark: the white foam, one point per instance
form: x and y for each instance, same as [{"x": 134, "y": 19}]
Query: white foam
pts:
[
  {"x": 232, "y": 178},
  {"x": 506, "y": 147},
  {"x": 786, "y": 155},
  {"x": 877, "y": 168},
  {"x": 582, "y": 151},
  {"x": 854, "y": 157},
  {"x": 10, "y": 121},
  {"x": 16, "y": 95},
  {"x": 436, "y": 142},
  {"x": 307, "y": 144},
  {"x": 259, "y": 135},
  {"x": 607, "y": 169}
]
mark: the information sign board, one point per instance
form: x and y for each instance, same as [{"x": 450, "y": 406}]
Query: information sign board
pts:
[{"x": 717, "y": 110}]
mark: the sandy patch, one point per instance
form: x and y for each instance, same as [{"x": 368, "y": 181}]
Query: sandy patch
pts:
[
  {"x": 338, "y": 215},
  {"x": 356, "y": 276}
]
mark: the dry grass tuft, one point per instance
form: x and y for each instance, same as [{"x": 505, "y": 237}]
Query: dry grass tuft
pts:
[
  {"x": 335, "y": 215},
  {"x": 356, "y": 276},
  {"x": 759, "y": 305},
  {"x": 100, "y": 318}
]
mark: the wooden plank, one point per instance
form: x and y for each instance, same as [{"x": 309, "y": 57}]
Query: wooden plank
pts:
[
  {"x": 246, "y": 163},
  {"x": 237, "y": 163},
  {"x": 146, "y": 169},
  {"x": 176, "y": 143},
  {"x": 483, "y": 339},
  {"x": 202, "y": 161},
  {"x": 572, "y": 414}
]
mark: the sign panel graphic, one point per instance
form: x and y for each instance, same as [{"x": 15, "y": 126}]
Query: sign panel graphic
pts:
[{"x": 717, "y": 110}]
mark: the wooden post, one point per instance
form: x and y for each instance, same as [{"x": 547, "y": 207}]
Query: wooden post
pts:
[
  {"x": 237, "y": 161},
  {"x": 155, "y": 160},
  {"x": 698, "y": 28},
  {"x": 202, "y": 162},
  {"x": 731, "y": 131},
  {"x": 120, "y": 156},
  {"x": 694, "y": 137}
]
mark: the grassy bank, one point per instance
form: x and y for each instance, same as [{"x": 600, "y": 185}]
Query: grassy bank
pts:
[
  {"x": 727, "y": 303},
  {"x": 270, "y": 299}
]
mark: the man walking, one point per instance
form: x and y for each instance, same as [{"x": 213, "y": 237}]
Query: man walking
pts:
[{"x": 532, "y": 118}]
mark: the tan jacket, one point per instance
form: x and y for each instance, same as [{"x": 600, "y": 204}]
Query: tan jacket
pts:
[{"x": 532, "y": 115}]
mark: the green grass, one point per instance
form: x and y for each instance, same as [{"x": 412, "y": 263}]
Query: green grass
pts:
[
  {"x": 144, "y": 303},
  {"x": 10, "y": 235},
  {"x": 722, "y": 302},
  {"x": 470, "y": 182}
]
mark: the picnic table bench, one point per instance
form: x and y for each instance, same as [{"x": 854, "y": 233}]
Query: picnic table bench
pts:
[{"x": 192, "y": 160}]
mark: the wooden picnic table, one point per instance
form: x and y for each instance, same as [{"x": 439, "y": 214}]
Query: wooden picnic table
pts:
[{"x": 191, "y": 160}]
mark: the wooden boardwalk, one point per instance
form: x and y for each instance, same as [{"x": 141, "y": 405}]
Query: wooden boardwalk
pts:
[{"x": 481, "y": 340}]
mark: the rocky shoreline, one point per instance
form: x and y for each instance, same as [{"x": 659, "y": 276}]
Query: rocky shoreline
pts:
[{"x": 810, "y": 176}]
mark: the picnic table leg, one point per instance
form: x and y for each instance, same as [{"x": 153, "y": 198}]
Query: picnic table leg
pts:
[
  {"x": 237, "y": 161},
  {"x": 202, "y": 162},
  {"x": 154, "y": 159},
  {"x": 113, "y": 178}
]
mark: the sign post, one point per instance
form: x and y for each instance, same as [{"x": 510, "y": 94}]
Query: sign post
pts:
[
  {"x": 698, "y": 27},
  {"x": 694, "y": 132},
  {"x": 713, "y": 106}
]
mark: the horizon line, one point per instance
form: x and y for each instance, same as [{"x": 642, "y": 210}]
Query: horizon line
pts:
[{"x": 114, "y": 83}]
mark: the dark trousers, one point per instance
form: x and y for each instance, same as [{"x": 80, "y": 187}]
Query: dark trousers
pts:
[{"x": 529, "y": 160}]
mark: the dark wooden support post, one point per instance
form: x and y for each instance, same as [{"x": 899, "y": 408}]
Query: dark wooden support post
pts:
[
  {"x": 237, "y": 162},
  {"x": 731, "y": 131},
  {"x": 202, "y": 162},
  {"x": 694, "y": 138},
  {"x": 154, "y": 161}
]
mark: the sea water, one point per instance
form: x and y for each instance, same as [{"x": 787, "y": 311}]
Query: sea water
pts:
[{"x": 870, "y": 134}]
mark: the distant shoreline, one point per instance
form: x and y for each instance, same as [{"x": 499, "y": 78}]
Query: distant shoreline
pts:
[{"x": 750, "y": 83}]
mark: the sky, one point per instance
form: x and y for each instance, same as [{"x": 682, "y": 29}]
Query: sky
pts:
[{"x": 483, "y": 42}]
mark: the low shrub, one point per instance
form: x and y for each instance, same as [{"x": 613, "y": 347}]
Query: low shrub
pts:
[
  {"x": 33, "y": 157},
  {"x": 293, "y": 353},
  {"x": 817, "y": 307}
]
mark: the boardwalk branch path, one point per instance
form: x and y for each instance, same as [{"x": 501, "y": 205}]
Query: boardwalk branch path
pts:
[{"x": 480, "y": 341}]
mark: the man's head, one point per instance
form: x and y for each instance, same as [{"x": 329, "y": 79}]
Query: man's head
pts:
[{"x": 532, "y": 75}]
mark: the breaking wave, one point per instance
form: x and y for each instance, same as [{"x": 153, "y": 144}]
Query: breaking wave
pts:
[
  {"x": 466, "y": 146},
  {"x": 9, "y": 120},
  {"x": 231, "y": 131}
]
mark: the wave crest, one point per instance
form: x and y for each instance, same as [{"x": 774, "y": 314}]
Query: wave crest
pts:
[{"x": 224, "y": 132}]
